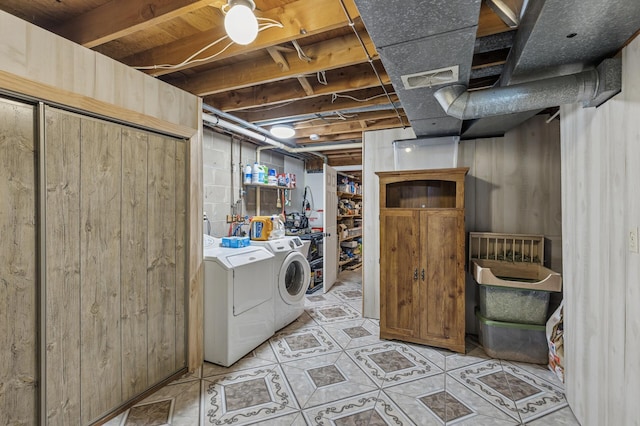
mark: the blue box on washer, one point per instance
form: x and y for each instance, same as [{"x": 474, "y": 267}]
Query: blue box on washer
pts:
[{"x": 235, "y": 242}]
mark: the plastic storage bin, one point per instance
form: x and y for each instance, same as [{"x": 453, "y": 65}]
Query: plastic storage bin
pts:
[
  {"x": 513, "y": 304},
  {"x": 512, "y": 341},
  {"x": 235, "y": 242}
]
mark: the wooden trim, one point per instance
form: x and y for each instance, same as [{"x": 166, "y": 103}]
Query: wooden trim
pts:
[
  {"x": 63, "y": 98},
  {"x": 41, "y": 262},
  {"x": 195, "y": 331}
]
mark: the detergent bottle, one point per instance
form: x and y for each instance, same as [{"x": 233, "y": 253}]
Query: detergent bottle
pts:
[
  {"x": 277, "y": 228},
  {"x": 260, "y": 228},
  {"x": 248, "y": 174},
  {"x": 255, "y": 175}
]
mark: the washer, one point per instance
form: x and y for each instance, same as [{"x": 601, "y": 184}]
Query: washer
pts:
[
  {"x": 292, "y": 278},
  {"x": 238, "y": 300}
]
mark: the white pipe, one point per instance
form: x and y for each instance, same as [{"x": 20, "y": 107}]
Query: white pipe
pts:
[
  {"x": 212, "y": 119},
  {"x": 249, "y": 133},
  {"x": 327, "y": 147}
]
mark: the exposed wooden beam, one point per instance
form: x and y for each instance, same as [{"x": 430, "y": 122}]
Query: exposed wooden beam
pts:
[
  {"x": 492, "y": 58},
  {"x": 330, "y": 54},
  {"x": 489, "y": 23},
  {"x": 355, "y": 126},
  {"x": 278, "y": 58},
  {"x": 341, "y": 80},
  {"x": 306, "y": 86},
  {"x": 315, "y": 126},
  {"x": 323, "y": 139},
  {"x": 306, "y": 17},
  {"x": 316, "y": 105},
  {"x": 119, "y": 18}
]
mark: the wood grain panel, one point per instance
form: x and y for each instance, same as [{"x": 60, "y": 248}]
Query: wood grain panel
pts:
[
  {"x": 601, "y": 275},
  {"x": 133, "y": 269},
  {"x": 100, "y": 195},
  {"x": 442, "y": 318},
  {"x": 161, "y": 258},
  {"x": 41, "y": 64},
  {"x": 181, "y": 250},
  {"x": 18, "y": 360},
  {"x": 195, "y": 266},
  {"x": 399, "y": 259},
  {"x": 62, "y": 163}
]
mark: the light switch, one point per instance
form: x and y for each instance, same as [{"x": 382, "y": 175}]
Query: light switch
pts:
[{"x": 633, "y": 240}]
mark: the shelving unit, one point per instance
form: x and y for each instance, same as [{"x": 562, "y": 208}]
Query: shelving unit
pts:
[
  {"x": 349, "y": 258},
  {"x": 259, "y": 186}
]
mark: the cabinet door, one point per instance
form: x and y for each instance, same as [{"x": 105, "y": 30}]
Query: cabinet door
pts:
[
  {"x": 442, "y": 278},
  {"x": 399, "y": 299}
]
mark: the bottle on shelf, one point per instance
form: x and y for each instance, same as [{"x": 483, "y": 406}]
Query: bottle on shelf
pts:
[
  {"x": 255, "y": 177},
  {"x": 248, "y": 174}
]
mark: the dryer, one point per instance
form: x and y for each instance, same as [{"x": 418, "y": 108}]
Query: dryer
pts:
[
  {"x": 238, "y": 300},
  {"x": 292, "y": 277}
]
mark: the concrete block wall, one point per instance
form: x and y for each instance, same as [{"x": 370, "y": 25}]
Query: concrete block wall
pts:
[{"x": 224, "y": 159}]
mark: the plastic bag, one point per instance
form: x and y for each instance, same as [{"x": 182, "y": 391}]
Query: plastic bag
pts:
[{"x": 555, "y": 340}]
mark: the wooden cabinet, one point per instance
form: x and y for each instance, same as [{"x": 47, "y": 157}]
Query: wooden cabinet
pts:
[{"x": 422, "y": 252}]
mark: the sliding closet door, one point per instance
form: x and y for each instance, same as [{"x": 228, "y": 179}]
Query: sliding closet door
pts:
[
  {"x": 115, "y": 271},
  {"x": 62, "y": 271},
  {"x": 18, "y": 265}
]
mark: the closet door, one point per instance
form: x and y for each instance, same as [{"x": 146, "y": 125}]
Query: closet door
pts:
[
  {"x": 62, "y": 268},
  {"x": 18, "y": 265},
  {"x": 115, "y": 264}
]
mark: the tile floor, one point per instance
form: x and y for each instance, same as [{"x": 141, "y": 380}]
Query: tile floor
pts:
[{"x": 330, "y": 368}]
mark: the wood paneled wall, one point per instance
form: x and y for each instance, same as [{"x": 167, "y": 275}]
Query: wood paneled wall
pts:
[
  {"x": 513, "y": 185},
  {"x": 115, "y": 272},
  {"x": 44, "y": 66},
  {"x": 18, "y": 265},
  {"x": 41, "y": 64},
  {"x": 600, "y": 177}
]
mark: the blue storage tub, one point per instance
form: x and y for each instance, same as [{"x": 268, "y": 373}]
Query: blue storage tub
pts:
[{"x": 235, "y": 242}]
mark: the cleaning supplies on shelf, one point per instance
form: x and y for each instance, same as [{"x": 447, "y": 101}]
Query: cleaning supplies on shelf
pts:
[
  {"x": 272, "y": 179},
  {"x": 248, "y": 174},
  {"x": 255, "y": 177}
]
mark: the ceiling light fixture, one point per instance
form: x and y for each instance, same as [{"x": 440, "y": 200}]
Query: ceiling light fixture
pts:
[
  {"x": 282, "y": 131},
  {"x": 240, "y": 22},
  {"x": 314, "y": 136}
]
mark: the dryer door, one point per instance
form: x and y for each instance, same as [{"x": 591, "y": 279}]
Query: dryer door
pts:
[{"x": 294, "y": 277}]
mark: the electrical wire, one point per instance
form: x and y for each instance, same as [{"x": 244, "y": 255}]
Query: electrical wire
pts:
[
  {"x": 270, "y": 23},
  {"x": 370, "y": 60},
  {"x": 303, "y": 56},
  {"x": 322, "y": 77}
]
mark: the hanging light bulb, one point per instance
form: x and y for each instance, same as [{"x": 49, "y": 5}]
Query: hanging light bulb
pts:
[{"x": 240, "y": 22}]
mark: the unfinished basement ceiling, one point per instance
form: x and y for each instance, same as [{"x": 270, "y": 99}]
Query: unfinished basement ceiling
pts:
[{"x": 346, "y": 77}]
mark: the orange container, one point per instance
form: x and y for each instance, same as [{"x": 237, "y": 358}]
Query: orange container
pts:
[{"x": 261, "y": 227}]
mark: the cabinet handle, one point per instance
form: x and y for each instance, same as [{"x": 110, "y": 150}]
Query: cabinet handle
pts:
[
  {"x": 422, "y": 274},
  {"x": 415, "y": 274}
]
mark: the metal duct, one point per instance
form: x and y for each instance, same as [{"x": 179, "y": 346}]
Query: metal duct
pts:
[{"x": 592, "y": 88}]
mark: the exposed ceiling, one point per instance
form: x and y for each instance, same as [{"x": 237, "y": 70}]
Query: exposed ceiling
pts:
[{"x": 335, "y": 70}]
